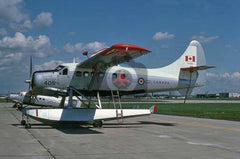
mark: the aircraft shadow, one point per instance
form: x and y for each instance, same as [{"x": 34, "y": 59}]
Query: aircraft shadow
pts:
[
  {"x": 65, "y": 128},
  {"x": 69, "y": 128},
  {"x": 156, "y": 123},
  {"x": 137, "y": 124},
  {"x": 77, "y": 130},
  {"x": 121, "y": 125}
]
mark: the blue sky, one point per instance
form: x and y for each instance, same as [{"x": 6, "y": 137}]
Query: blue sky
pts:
[{"x": 57, "y": 31}]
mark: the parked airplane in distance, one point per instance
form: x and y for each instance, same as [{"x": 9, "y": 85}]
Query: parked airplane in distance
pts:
[{"x": 47, "y": 101}]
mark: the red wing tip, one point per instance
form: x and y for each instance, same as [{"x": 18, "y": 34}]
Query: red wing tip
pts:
[
  {"x": 153, "y": 109},
  {"x": 130, "y": 46}
]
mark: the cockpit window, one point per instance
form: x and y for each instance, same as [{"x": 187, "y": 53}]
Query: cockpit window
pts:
[
  {"x": 114, "y": 75},
  {"x": 85, "y": 74},
  {"x": 65, "y": 71},
  {"x": 58, "y": 68},
  {"x": 78, "y": 73},
  {"x": 100, "y": 74}
]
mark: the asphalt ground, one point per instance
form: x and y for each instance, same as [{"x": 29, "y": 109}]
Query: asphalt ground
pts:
[{"x": 147, "y": 137}]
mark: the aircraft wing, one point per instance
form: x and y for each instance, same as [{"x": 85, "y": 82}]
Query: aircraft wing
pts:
[{"x": 113, "y": 55}]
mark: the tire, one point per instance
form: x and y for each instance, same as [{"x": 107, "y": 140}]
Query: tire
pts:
[
  {"x": 97, "y": 123},
  {"x": 23, "y": 122},
  {"x": 15, "y": 105},
  {"x": 28, "y": 126},
  {"x": 19, "y": 106}
]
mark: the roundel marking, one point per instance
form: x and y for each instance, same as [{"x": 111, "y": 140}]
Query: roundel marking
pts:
[{"x": 141, "y": 81}]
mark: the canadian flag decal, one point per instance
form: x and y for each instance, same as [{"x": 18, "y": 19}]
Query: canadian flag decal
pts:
[{"x": 190, "y": 58}]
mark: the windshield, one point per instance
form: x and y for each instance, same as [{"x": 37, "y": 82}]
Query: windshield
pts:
[{"x": 58, "y": 68}]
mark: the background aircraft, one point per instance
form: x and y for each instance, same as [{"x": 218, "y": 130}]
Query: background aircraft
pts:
[{"x": 23, "y": 98}]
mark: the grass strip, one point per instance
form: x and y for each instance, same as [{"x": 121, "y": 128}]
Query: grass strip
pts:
[{"x": 226, "y": 111}]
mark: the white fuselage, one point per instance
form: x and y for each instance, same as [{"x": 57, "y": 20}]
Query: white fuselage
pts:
[
  {"x": 135, "y": 80},
  {"x": 89, "y": 79}
]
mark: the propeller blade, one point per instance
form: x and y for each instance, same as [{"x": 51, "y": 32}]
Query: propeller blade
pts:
[
  {"x": 30, "y": 74},
  {"x": 30, "y": 67},
  {"x": 35, "y": 98},
  {"x": 8, "y": 96},
  {"x": 29, "y": 86}
]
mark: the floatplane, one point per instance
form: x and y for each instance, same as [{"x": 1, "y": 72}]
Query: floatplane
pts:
[{"x": 101, "y": 75}]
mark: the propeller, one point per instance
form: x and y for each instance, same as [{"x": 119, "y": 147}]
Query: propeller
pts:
[
  {"x": 30, "y": 92},
  {"x": 8, "y": 96}
]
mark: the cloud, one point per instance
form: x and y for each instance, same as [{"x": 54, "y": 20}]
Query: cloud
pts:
[
  {"x": 21, "y": 27},
  {"x": 95, "y": 45},
  {"x": 3, "y": 31},
  {"x": 227, "y": 76},
  {"x": 204, "y": 39},
  {"x": 225, "y": 82},
  {"x": 235, "y": 50},
  {"x": 15, "y": 50},
  {"x": 72, "y": 33},
  {"x": 10, "y": 59},
  {"x": 10, "y": 11},
  {"x": 228, "y": 46},
  {"x": 48, "y": 65},
  {"x": 162, "y": 36},
  {"x": 231, "y": 48},
  {"x": 37, "y": 46},
  {"x": 79, "y": 47},
  {"x": 44, "y": 19},
  {"x": 14, "y": 18},
  {"x": 164, "y": 46},
  {"x": 73, "y": 48}
]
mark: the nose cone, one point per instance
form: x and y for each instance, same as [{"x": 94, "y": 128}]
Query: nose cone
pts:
[
  {"x": 36, "y": 80},
  {"x": 41, "y": 81}
]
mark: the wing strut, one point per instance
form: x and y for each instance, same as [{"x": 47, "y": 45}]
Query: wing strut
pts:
[
  {"x": 71, "y": 90},
  {"x": 61, "y": 105},
  {"x": 99, "y": 100}
]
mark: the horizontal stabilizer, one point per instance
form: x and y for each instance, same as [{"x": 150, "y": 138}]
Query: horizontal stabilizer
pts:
[{"x": 195, "y": 68}]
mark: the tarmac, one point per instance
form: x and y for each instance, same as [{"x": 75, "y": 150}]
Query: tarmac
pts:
[{"x": 147, "y": 137}]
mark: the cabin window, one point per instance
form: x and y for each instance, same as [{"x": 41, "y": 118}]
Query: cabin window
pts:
[
  {"x": 65, "y": 71},
  {"x": 100, "y": 74},
  {"x": 114, "y": 75},
  {"x": 78, "y": 73},
  {"x": 85, "y": 74}
]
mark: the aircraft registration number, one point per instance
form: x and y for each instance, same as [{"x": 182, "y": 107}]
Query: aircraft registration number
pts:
[{"x": 50, "y": 83}]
